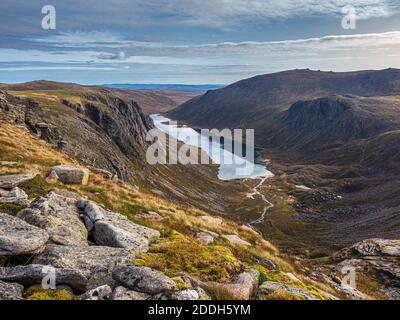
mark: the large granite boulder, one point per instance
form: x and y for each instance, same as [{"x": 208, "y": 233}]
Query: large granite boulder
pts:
[
  {"x": 20, "y": 238},
  {"x": 58, "y": 215},
  {"x": 121, "y": 293},
  {"x": 97, "y": 263},
  {"x": 71, "y": 175},
  {"x": 144, "y": 280},
  {"x": 34, "y": 273},
  {"x": 115, "y": 230}
]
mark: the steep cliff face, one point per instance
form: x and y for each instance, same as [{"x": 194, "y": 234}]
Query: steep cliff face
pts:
[{"x": 101, "y": 129}]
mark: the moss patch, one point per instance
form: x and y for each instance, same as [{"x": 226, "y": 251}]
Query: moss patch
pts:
[
  {"x": 178, "y": 255},
  {"x": 37, "y": 292},
  {"x": 11, "y": 209}
]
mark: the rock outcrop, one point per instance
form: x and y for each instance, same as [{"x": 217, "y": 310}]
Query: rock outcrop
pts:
[
  {"x": 97, "y": 263},
  {"x": 58, "y": 215},
  {"x": 19, "y": 238},
  {"x": 34, "y": 273}
]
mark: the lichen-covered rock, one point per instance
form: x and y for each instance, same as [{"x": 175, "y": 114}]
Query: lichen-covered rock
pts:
[
  {"x": 33, "y": 274},
  {"x": 206, "y": 237},
  {"x": 191, "y": 294},
  {"x": 151, "y": 215},
  {"x": 234, "y": 239},
  {"x": 115, "y": 230},
  {"x": 121, "y": 293},
  {"x": 10, "y": 291},
  {"x": 13, "y": 180},
  {"x": 270, "y": 287},
  {"x": 96, "y": 263},
  {"x": 14, "y": 196},
  {"x": 144, "y": 280},
  {"x": 71, "y": 175},
  {"x": 52, "y": 177},
  {"x": 58, "y": 215},
  {"x": 100, "y": 293},
  {"x": 19, "y": 238}
]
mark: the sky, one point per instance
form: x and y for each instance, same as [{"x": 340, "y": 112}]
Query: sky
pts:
[{"x": 193, "y": 41}]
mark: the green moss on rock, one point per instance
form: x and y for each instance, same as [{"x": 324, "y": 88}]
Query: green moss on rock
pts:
[{"x": 37, "y": 292}]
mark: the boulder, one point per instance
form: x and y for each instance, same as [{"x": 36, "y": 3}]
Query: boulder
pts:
[
  {"x": 213, "y": 220},
  {"x": 151, "y": 215},
  {"x": 33, "y": 274},
  {"x": 235, "y": 240},
  {"x": 191, "y": 294},
  {"x": 206, "y": 237},
  {"x": 15, "y": 196},
  {"x": 244, "y": 288},
  {"x": 58, "y": 215},
  {"x": 115, "y": 230},
  {"x": 96, "y": 263},
  {"x": 99, "y": 293},
  {"x": 52, "y": 177},
  {"x": 10, "y": 291},
  {"x": 71, "y": 175},
  {"x": 121, "y": 293},
  {"x": 144, "y": 280},
  {"x": 12, "y": 181},
  {"x": 19, "y": 238},
  {"x": 270, "y": 287}
]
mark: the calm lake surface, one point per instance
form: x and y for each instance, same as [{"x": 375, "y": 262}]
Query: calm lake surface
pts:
[{"x": 231, "y": 166}]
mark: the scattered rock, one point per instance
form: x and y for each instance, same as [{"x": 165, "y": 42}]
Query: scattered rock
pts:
[
  {"x": 151, "y": 215},
  {"x": 15, "y": 196},
  {"x": 191, "y": 294},
  {"x": 121, "y": 293},
  {"x": 97, "y": 263},
  {"x": 52, "y": 177},
  {"x": 206, "y": 237},
  {"x": 212, "y": 220},
  {"x": 12, "y": 181},
  {"x": 18, "y": 237},
  {"x": 270, "y": 287},
  {"x": 33, "y": 274},
  {"x": 234, "y": 239},
  {"x": 10, "y": 291},
  {"x": 71, "y": 175},
  {"x": 144, "y": 280},
  {"x": 100, "y": 293},
  {"x": 266, "y": 263},
  {"x": 59, "y": 216}
]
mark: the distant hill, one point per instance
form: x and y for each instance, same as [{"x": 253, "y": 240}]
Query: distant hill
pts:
[{"x": 167, "y": 87}]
